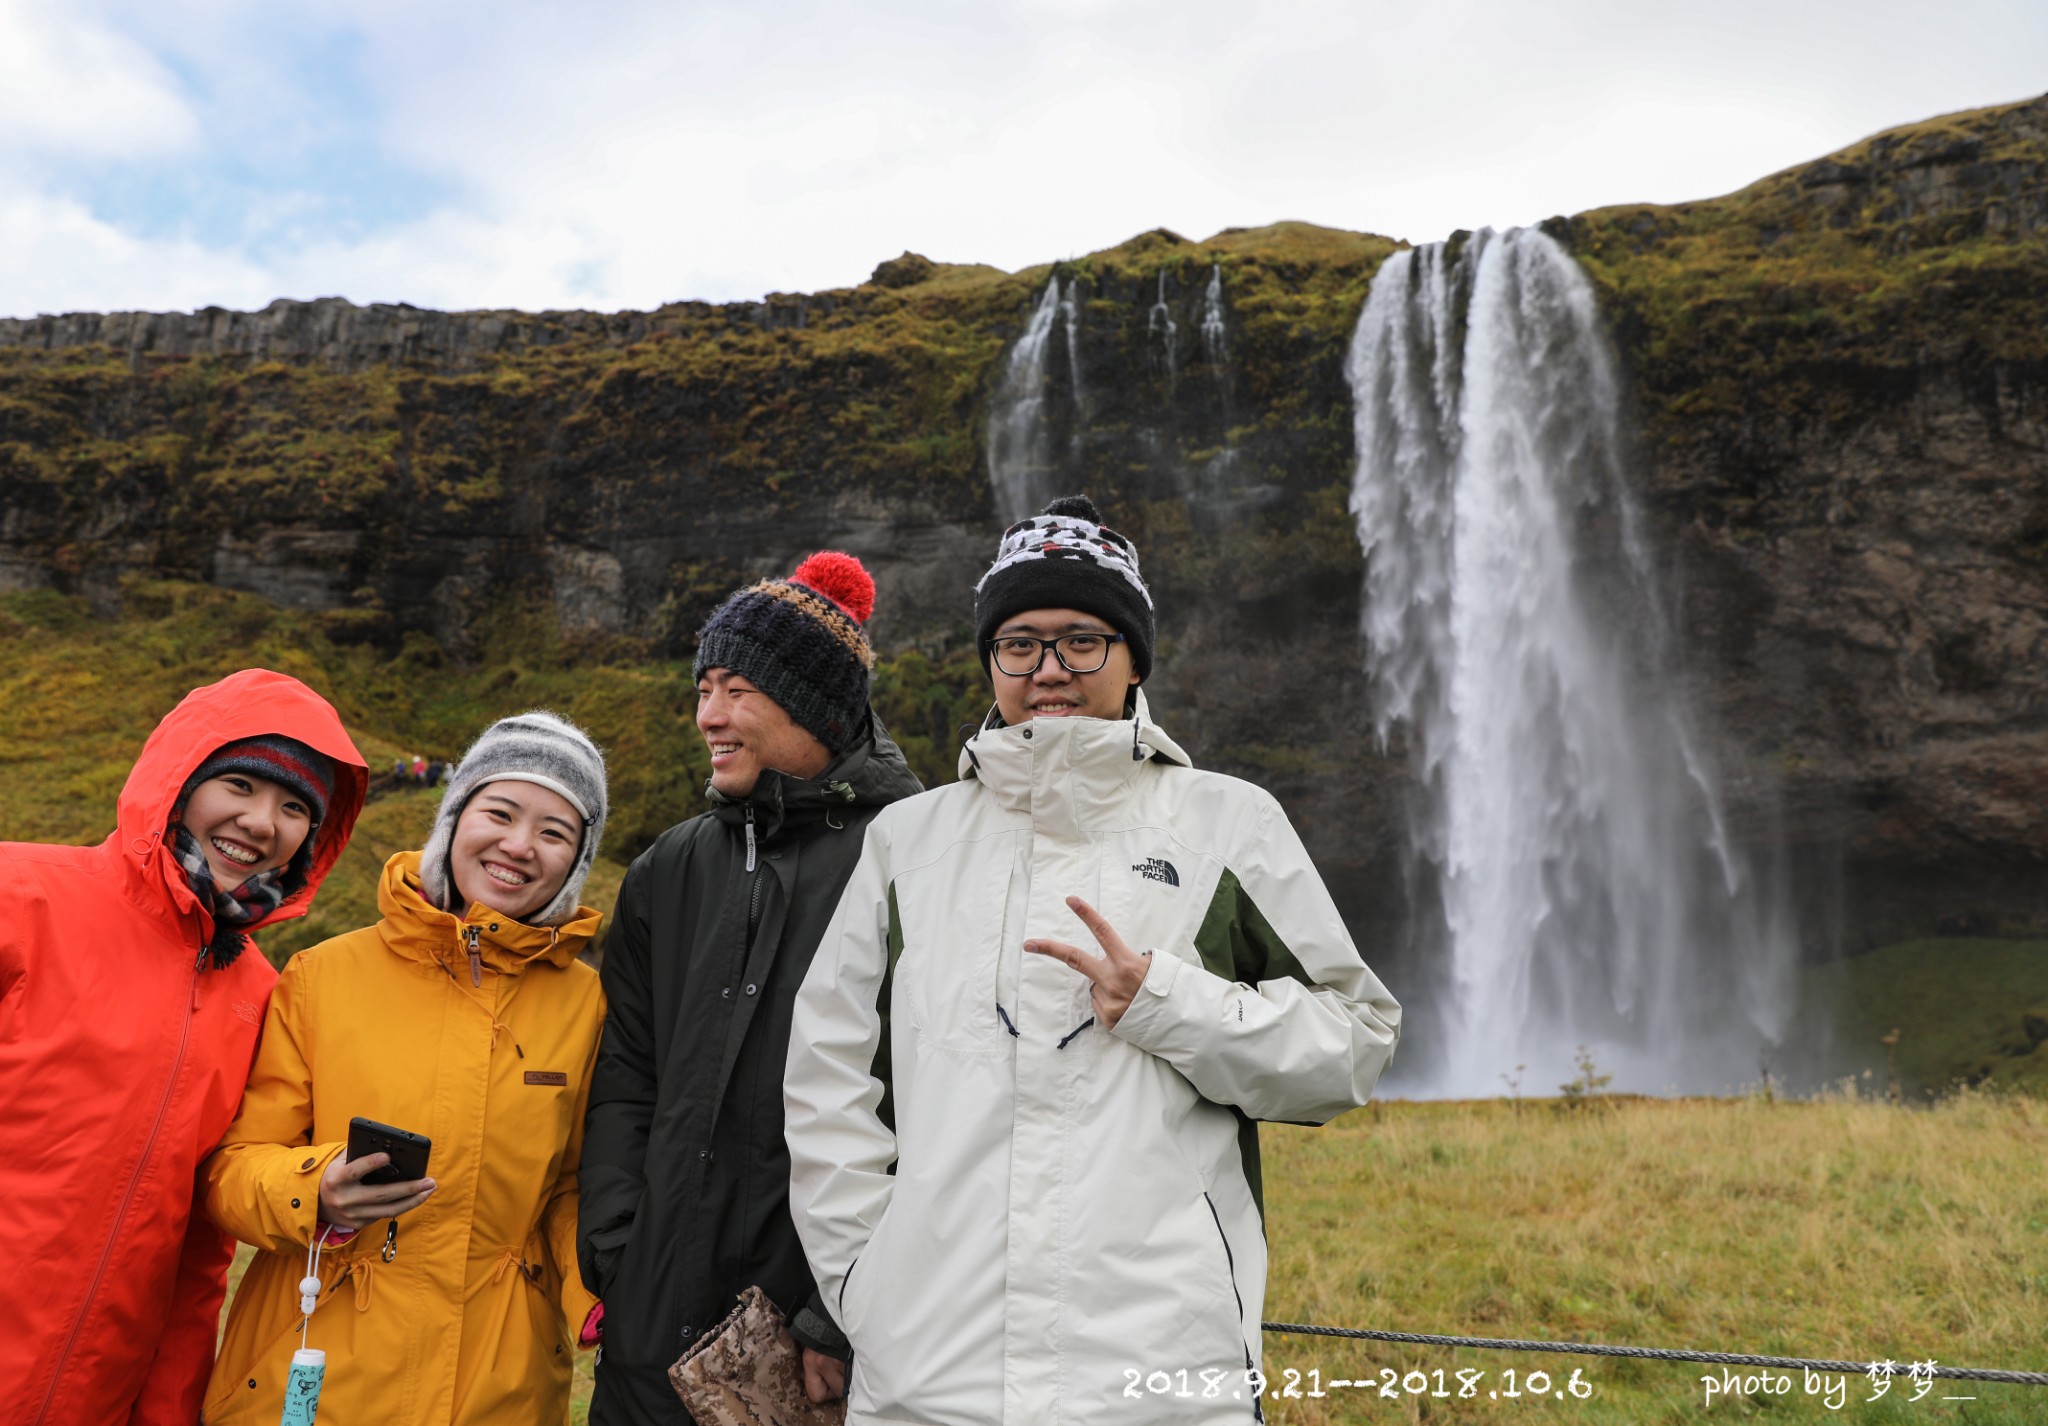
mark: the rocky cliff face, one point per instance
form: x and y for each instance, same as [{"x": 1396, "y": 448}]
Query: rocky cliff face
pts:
[{"x": 1841, "y": 380}]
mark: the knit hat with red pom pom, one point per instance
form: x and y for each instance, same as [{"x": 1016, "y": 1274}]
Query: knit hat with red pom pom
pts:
[{"x": 799, "y": 641}]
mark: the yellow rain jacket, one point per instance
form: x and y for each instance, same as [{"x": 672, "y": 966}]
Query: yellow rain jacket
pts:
[{"x": 480, "y": 1033}]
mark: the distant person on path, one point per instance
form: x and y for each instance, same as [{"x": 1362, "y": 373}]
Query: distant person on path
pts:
[
  {"x": 1026, "y": 1067},
  {"x": 464, "y": 1016},
  {"x": 685, "y": 1179},
  {"x": 130, "y": 999}
]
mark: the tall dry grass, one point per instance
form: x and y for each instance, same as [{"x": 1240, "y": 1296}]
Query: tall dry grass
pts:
[{"x": 1834, "y": 1229}]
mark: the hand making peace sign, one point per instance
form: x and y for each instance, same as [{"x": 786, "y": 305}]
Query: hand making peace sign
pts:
[{"x": 1116, "y": 973}]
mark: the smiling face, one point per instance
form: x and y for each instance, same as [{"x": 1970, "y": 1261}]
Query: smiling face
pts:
[
  {"x": 749, "y": 733},
  {"x": 246, "y": 825},
  {"x": 1053, "y": 692},
  {"x": 513, "y": 847}
]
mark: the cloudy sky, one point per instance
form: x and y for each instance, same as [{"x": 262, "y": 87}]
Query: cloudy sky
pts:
[{"x": 177, "y": 153}]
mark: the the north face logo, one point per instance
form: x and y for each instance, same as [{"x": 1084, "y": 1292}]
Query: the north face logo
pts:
[
  {"x": 246, "y": 1011},
  {"x": 1153, "y": 869}
]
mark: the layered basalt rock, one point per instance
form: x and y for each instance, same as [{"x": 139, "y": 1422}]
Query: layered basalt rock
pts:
[{"x": 1840, "y": 378}]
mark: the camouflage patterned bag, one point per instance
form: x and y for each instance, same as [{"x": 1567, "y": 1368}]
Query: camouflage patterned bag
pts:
[{"x": 747, "y": 1372}]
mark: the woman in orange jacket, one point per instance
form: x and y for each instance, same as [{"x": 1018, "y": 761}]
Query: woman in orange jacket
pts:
[
  {"x": 463, "y": 1015},
  {"x": 129, "y": 1006}
]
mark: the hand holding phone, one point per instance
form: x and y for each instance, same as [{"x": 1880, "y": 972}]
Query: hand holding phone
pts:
[{"x": 382, "y": 1175}]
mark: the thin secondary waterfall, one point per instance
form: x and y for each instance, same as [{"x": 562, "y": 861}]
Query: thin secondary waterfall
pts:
[
  {"x": 1215, "y": 336},
  {"x": 1161, "y": 330},
  {"x": 1573, "y": 883},
  {"x": 1070, "y": 313},
  {"x": 1164, "y": 436},
  {"x": 1021, "y": 458}
]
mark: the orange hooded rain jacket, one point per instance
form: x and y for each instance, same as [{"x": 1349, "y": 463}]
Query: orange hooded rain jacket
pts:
[
  {"x": 121, "y": 1063},
  {"x": 480, "y": 1033}
]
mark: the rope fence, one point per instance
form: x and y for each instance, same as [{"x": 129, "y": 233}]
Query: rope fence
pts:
[{"x": 1662, "y": 1354}]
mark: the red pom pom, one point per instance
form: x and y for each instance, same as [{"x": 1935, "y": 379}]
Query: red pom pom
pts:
[{"x": 842, "y": 579}]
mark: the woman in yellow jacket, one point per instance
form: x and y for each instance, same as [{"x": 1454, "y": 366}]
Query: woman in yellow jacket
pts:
[{"x": 462, "y": 1015}]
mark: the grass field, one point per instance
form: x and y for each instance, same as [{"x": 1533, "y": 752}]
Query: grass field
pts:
[
  {"x": 1839, "y": 1228},
  {"x": 1834, "y": 1229}
]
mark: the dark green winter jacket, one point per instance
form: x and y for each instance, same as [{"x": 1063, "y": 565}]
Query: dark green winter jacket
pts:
[{"x": 685, "y": 1178}]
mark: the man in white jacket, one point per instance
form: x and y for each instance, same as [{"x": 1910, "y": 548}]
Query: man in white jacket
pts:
[{"x": 1028, "y": 1060}]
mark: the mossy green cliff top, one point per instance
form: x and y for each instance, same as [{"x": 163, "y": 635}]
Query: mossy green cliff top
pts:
[{"x": 444, "y": 517}]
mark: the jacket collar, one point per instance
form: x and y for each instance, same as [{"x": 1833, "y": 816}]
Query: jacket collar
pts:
[
  {"x": 872, "y": 773},
  {"x": 1063, "y": 773},
  {"x": 417, "y": 929}
]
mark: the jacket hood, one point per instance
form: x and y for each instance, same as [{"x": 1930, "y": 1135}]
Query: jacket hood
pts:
[
  {"x": 872, "y": 773},
  {"x": 1058, "y": 770},
  {"x": 248, "y": 704},
  {"x": 416, "y": 928}
]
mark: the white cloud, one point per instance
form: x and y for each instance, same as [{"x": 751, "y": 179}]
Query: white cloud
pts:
[
  {"x": 68, "y": 260},
  {"x": 637, "y": 152},
  {"x": 71, "y": 87}
]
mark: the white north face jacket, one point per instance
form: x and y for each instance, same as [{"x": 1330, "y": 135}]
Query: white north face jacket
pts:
[{"x": 1023, "y": 1216}]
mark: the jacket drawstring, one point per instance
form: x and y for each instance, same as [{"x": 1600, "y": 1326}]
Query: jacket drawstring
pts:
[
  {"x": 554, "y": 935},
  {"x": 509, "y": 1260},
  {"x": 478, "y": 1002},
  {"x": 469, "y": 936}
]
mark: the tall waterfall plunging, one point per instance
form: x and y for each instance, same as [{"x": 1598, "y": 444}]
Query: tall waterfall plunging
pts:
[{"x": 1572, "y": 881}]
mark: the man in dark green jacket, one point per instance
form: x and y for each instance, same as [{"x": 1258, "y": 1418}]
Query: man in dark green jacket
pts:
[{"x": 685, "y": 1176}]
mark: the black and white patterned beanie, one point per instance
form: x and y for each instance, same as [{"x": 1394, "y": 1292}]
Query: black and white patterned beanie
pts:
[
  {"x": 1066, "y": 558},
  {"x": 537, "y": 748}
]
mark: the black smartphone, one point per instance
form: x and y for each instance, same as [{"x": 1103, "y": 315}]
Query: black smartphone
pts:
[{"x": 408, "y": 1150}]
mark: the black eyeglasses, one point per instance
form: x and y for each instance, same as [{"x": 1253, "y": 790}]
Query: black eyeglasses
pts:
[{"x": 1020, "y": 655}]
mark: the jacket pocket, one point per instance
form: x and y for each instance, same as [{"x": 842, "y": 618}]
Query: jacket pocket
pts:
[
  {"x": 1236, "y": 1296},
  {"x": 856, "y": 1288},
  {"x": 953, "y": 928},
  {"x": 641, "y": 1313},
  {"x": 255, "y": 1392}
]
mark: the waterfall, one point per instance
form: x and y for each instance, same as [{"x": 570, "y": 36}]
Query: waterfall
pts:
[
  {"x": 1159, "y": 326},
  {"x": 1573, "y": 881},
  {"x": 1070, "y": 313},
  {"x": 1021, "y": 464},
  {"x": 1215, "y": 343}
]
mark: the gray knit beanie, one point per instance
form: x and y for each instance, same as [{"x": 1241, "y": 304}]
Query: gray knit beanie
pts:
[{"x": 535, "y": 747}]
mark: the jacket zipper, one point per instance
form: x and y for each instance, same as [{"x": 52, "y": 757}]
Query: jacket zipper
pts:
[
  {"x": 754, "y": 889},
  {"x": 470, "y": 936},
  {"x": 127, "y": 1198},
  {"x": 753, "y": 911}
]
